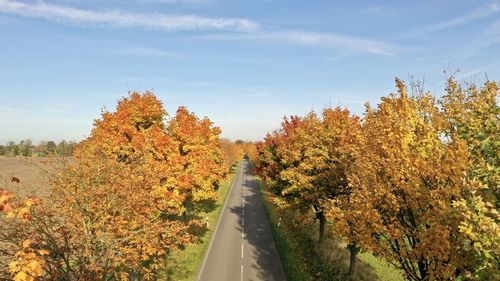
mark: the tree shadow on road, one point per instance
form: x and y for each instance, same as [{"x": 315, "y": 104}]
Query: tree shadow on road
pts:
[{"x": 267, "y": 264}]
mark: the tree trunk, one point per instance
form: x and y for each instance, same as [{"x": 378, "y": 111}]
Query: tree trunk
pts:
[
  {"x": 322, "y": 220},
  {"x": 352, "y": 264},
  {"x": 184, "y": 214}
]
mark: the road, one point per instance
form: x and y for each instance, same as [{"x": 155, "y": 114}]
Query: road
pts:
[{"x": 242, "y": 247}]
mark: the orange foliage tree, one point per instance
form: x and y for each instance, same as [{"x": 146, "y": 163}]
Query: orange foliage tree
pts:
[
  {"x": 250, "y": 150},
  {"x": 233, "y": 152},
  {"x": 202, "y": 159},
  {"x": 307, "y": 161}
]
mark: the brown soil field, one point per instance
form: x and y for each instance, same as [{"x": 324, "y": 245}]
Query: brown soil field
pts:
[{"x": 28, "y": 170}]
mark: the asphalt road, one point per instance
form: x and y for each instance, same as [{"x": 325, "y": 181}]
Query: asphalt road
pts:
[{"x": 242, "y": 248}]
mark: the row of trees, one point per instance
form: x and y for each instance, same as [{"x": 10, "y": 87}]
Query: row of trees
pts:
[
  {"x": 415, "y": 181},
  {"x": 234, "y": 151},
  {"x": 44, "y": 148},
  {"x": 131, "y": 193}
]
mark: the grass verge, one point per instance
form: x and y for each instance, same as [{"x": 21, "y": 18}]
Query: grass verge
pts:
[
  {"x": 287, "y": 249},
  {"x": 383, "y": 270},
  {"x": 183, "y": 264}
]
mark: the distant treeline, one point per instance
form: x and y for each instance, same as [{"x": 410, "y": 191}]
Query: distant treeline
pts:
[{"x": 45, "y": 148}]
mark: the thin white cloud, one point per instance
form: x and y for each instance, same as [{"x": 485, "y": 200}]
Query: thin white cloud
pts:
[
  {"x": 493, "y": 31},
  {"x": 489, "y": 37},
  {"x": 248, "y": 29},
  {"x": 172, "y": 1},
  {"x": 347, "y": 44},
  {"x": 117, "y": 18},
  {"x": 472, "y": 72},
  {"x": 147, "y": 52},
  {"x": 474, "y": 15}
]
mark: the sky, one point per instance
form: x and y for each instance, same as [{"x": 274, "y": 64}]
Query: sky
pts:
[{"x": 243, "y": 63}]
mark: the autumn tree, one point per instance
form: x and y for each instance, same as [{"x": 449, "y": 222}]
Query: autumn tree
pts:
[
  {"x": 201, "y": 155},
  {"x": 306, "y": 161},
  {"x": 250, "y": 150},
  {"x": 472, "y": 115},
  {"x": 232, "y": 152},
  {"x": 316, "y": 163},
  {"x": 116, "y": 208},
  {"x": 27, "y": 257},
  {"x": 120, "y": 196},
  {"x": 270, "y": 161},
  {"x": 404, "y": 184}
]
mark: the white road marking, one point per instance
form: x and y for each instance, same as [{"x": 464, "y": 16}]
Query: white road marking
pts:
[
  {"x": 242, "y": 273},
  {"x": 241, "y": 250}
]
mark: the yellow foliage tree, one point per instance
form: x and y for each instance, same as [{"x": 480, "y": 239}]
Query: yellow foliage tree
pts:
[
  {"x": 404, "y": 185},
  {"x": 472, "y": 115}
]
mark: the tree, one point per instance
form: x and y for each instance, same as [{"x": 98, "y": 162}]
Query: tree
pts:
[
  {"x": 201, "y": 155},
  {"x": 232, "y": 153},
  {"x": 46, "y": 148},
  {"x": 317, "y": 156},
  {"x": 307, "y": 160},
  {"x": 123, "y": 191},
  {"x": 270, "y": 161},
  {"x": 51, "y": 147},
  {"x": 25, "y": 147},
  {"x": 404, "y": 184},
  {"x": 64, "y": 148},
  {"x": 27, "y": 258},
  {"x": 250, "y": 150},
  {"x": 472, "y": 115},
  {"x": 11, "y": 148}
]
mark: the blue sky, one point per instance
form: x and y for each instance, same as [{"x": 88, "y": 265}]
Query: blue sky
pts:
[{"x": 243, "y": 63}]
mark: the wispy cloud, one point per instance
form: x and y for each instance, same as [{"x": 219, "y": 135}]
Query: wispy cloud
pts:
[
  {"x": 172, "y": 1},
  {"x": 241, "y": 28},
  {"x": 493, "y": 32},
  {"x": 117, "y": 18},
  {"x": 137, "y": 79},
  {"x": 147, "y": 52},
  {"x": 472, "y": 72},
  {"x": 480, "y": 72},
  {"x": 489, "y": 37},
  {"x": 348, "y": 44},
  {"x": 474, "y": 15}
]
